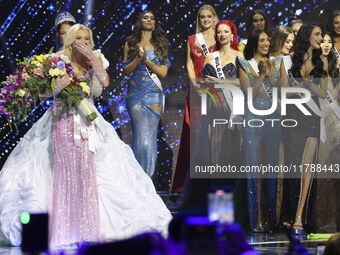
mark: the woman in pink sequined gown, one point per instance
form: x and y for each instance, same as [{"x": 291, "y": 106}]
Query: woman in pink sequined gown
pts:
[{"x": 81, "y": 173}]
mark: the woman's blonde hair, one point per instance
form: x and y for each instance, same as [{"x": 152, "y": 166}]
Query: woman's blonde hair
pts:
[
  {"x": 70, "y": 35},
  {"x": 206, "y": 7},
  {"x": 278, "y": 40}
]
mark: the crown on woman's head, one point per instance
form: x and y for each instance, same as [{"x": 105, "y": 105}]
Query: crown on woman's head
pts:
[{"x": 64, "y": 16}]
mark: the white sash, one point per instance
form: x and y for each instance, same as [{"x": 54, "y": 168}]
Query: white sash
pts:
[
  {"x": 227, "y": 94},
  {"x": 265, "y": 84},
  {"x": 83, "y": 129},
  {"x": 287, "y": 61},
  {"x": 156, "y": 80},
  {"x": 218, "y": 65},
  {"x": 202, "y": 43}
]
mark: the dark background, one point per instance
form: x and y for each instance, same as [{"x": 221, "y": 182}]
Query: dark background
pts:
[{"x": 27, "y": 27}]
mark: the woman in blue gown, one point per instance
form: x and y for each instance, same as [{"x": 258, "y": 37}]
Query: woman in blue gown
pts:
[
  {"x": 145, "y": 58},
  {"x": 262, "y": 140}
]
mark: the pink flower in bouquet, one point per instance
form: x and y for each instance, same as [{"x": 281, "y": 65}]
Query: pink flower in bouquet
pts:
[
  {"x": 25, "y": 76},
  {"x": 38, "y": 72}
]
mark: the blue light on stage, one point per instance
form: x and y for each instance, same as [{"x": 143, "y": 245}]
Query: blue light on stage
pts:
[{"x": 12, "y": 16}]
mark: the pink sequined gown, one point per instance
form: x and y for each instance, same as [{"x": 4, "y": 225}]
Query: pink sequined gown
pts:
[{"x": 96, "y": 192}]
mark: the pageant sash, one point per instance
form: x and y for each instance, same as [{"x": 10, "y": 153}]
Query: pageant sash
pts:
[
  {"x": 334, "y": 106},
  {"x": 157, "y": 81},
  {"x": 265, "y": 84},
  {"x": 218, "y": 65},
  {"x": 202, "y": 43},
  {"x": 287, "y": 61},
  {"x": 93, "y": 131},
  {"x": 227, "y": 94}
]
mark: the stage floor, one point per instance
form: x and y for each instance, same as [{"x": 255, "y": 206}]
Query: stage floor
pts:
[
  {"x": 279, "y": 243},
  {"x": 263, "y": 243}
]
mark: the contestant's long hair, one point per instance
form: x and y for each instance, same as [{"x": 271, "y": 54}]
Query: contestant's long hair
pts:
[
  {"x": 252, "y": 44},
  {"x": 69, "y": 39},
  {"x": 278, "y": 40},
  {"x": 301, "y": 46},
  {"x": 250, "y": 27},
  {"x": 206, "y": 7},
  {"x": 329, "y": 24},
  {"x": 158, "y": 39},
  {"x": 333, "y": 69},
  {"x": 233, "y": 29}
]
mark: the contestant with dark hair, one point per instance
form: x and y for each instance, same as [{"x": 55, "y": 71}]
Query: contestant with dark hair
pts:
[
  {"x": 295, "y": 23},
  {"x": 330, "y": 147},
  {"x": 63, "y": 22},
  {"x": 328, "y": 50},
  {"x": 333, "y": 26},
  {"x": 301, "y": 143},
  {"x": 257, "y": 19},
  {"x": 146, "y": 58},
  {"x": 256, "y": 69},
  {"x": 198, "y": 47}
]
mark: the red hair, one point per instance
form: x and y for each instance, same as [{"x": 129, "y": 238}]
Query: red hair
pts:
[{"x": 233, "y": 29}]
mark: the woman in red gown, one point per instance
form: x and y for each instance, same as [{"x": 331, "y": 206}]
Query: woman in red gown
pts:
[{"x": 199, "y": 45}]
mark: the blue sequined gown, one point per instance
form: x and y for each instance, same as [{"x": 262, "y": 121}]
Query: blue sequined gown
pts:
[
  {"x": 252, "y": 138},
  {"x": 144, "y": 92}
]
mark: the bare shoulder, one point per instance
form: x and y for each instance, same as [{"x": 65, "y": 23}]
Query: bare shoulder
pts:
[{"x": 239, "y": 54}]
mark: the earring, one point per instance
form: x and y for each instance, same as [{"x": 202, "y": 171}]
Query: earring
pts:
[
  {"x": 232, "y": 39},
  {"x": 153, "y": 29},
  {"x": 214, "y": 24}
]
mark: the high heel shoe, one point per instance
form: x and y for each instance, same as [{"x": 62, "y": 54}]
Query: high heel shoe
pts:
[
  {"x": 261, "y": 228},
  {"x": 297, "y": 228}
]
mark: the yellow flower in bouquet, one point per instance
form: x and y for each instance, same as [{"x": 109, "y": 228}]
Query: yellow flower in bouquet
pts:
[
  {"x": 36, "y": 63},
  {"x": 63, "y": 72},
  {"x": 21, "y": 93},
  {"x": 85, "y": 88},
  {"x": 55, "y": 72},
  {"x": 41, "y": 58}
]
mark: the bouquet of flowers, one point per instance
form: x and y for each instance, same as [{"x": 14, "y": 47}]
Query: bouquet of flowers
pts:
[{"x": 43, "y": 76}]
